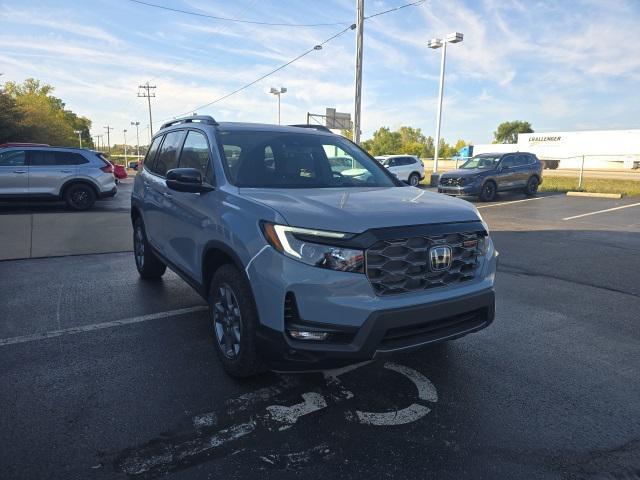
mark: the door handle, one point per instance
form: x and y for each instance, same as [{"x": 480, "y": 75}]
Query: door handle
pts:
[
  {"x": 66, "y": 171},
  {"x": 20, "y": 171}
]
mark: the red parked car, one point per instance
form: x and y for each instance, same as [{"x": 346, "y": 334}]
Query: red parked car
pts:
[{"x": 119, "y": 171}]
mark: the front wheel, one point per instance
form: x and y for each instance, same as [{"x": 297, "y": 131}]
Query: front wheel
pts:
[
  {"x": 488, "y": 191},
  {"x": 414, "y": 179},
  {"x": 147, "y": 263},
  {"x": 532, "y": 186},
  {"x": 235, "y": 320}
]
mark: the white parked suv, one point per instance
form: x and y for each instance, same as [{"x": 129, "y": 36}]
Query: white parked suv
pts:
[
  {"x": 407, "y": 168},
  {"x": 77, "y": 176}
]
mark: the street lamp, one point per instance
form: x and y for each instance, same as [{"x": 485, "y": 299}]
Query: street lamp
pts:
[
  {"x": 436, "y": 43},
  {"x": 137, "y": 124},
  {"x": 79, "y": 133},
  {"x": 125, "y": 148},
  {"x": 277, "y": 92}
]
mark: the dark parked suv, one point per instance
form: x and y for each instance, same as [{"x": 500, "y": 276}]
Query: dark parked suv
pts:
[
  {"x": 309, "y": 252},
  {"x": 489, "y": 173}
]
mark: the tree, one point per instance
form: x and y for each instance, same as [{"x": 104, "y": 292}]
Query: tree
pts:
[
  {"x": 507, "y": 132},
  {"x": 42, "y": 118},
  {"x": 10, "y": 118}
]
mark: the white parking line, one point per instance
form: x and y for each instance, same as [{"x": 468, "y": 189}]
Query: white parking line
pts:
[
  {"x": 514, "y": 201},
  {"x": 99, "y": 326},
  {"x": 602, "y": 211}
]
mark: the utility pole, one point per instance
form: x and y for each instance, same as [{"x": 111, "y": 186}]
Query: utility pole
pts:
[
  {"x": 108, "y": 129},
  {"x": 358, "y": 96},
  {"x": 125, "y": 148},
  {"x": 148, "y": 94},
  {"x": 99, "y": 137},
  {"x": 137, "y": 124}
]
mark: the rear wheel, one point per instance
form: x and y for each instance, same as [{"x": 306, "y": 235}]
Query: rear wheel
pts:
[
  {"x": 488, "y": 191},
  {"x": 80, "y": 196},
  {"x": 148, "y": 264},
  {"x": 234, "y": 317},
  {"x": 414, "y": 179},
  {"x": 532, "y": 186}
]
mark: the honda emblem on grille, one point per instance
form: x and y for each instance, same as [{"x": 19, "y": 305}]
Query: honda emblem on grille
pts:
[{"x": 440, "y": 258}]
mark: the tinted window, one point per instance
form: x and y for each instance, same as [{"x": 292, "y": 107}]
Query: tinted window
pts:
[
  {"x": 69, "y": 158},
  {"x": 151, "y": 153},
  {"x": 284, "y": 160},
  {"x": 41, "y": 158},
  {"x": 14, "y": 158},
  {"x": 168, "y": 155},
  {"x": 522, "y": 160},
  {"x": 509, "y": 161},
  {"x": 195, "y": 154}
]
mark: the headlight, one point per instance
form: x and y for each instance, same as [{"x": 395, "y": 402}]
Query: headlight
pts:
[{"x": 295, "y": 243}]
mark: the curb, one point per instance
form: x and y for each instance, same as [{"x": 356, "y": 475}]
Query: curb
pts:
[{"x": 596, "y": 195}]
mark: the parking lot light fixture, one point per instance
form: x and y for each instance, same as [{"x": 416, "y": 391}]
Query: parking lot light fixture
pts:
[
  {"x": 278, "y": 92},
  {"x": 137, "y": 124},
  {"x": 435, "y": 43},
  {"x": 79, "y": 133}
]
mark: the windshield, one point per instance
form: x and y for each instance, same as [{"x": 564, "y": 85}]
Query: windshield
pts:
[
  {"x": 482, "y": 163},
  {"x": 298, "y": 160}
]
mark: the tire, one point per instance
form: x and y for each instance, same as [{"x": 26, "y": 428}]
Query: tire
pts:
[
  {"x": 80, "y": 196},
  {"x": 234, "y": 322},
  {"x": 414, "y": 179},
  {"x": 488, "y": 192},
  {"x": 532, "y": 186},
  {"x": 553, "y": 165},
  {"x": 148, "y": 264}
]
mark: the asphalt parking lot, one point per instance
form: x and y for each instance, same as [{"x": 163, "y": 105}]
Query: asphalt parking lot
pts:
[{"x": 106, "y": 376}]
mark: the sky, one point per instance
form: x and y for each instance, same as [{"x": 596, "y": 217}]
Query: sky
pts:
[{"x": 561, "y": 65}]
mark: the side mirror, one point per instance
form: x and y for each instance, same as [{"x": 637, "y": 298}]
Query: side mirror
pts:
[{"x": 187, "y": 180}]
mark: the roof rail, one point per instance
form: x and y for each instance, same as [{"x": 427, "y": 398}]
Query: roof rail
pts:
[
  {"x": 320, "y": 128},
  {"x": 206, "y": 119}
]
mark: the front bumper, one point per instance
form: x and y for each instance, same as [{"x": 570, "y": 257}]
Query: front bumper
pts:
[
  {"x": 384, "y": 333},
  {"x": 368, "y": 325},
  {"x": 467, "y": 190}
]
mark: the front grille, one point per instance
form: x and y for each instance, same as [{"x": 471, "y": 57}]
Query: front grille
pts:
[
  {"x": 402, "y": 265},
  {"x": 451, "y": 182},
  {"x": 436, "y": 330}
]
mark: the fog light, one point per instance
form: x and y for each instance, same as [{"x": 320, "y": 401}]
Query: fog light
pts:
[{"x": 306, "y": 335}]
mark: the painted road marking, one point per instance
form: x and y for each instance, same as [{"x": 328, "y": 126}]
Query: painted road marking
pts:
[
  {"x": 502, "y": 204},
  {"x": 99, "y": 326},
  {"x": 602, "y": 211},
  {"x": 162, "y": 455},
  {"x": 415, "y": 411},
  {"x": 288, "y": 416}
]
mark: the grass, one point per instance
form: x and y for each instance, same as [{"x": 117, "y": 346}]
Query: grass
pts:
[{"x": 630, "y": 188}]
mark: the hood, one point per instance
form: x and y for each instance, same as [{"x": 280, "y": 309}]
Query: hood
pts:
[
  {"x": 471, "y": 172},
  {"x": 355, "y": 210}
]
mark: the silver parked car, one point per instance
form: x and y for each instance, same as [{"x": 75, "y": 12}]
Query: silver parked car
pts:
[{"x": 77, "y": 176}]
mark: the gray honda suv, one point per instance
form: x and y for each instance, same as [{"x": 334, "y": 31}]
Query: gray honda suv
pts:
[
  {"x": 306, "y": 264},
  {"x": 77, "y": 176}
]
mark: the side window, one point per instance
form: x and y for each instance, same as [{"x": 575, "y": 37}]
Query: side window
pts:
[
  {"x": 195, "y": 154},
  {"x": 151, "y": 153},
  {"x": 393, "y": 162},
  {"x": 14, "y": 158},
  {"x": 168, "y": 154},
  {"x": 69, "y": 158},
  {"x": 508, "y": 161},
  {"x": 41, "y": 158}
]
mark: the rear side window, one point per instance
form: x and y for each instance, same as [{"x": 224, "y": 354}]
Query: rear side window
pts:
[
  {"x": 43, "y": 158},
  {"x": 151, "y": 153},
  {"x": 69, "y": 158},
  {"x": 195, "y": 154},
  {"x": 168, "y": 155},
  {"x": 14, "y": 158}
]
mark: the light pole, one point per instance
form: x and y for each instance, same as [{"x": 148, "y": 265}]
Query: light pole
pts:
[
  {"x": 79, "y": 133},
  {"x": 137, "y": 124},
  {"x": 436, "y": 43},
  {"x": 124, "y": 132},
  {"x": 99, "y": 137},
  {"x": 277, "y": 92},
  {"x": 358, "y": 93}
]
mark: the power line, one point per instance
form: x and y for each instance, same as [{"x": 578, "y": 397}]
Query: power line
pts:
[
  {"x": 316, "y": 47},
  {"x": 227, "y": 19},
  {"x": 272, "y": 24},
  {"x": 244, "y": 87}
]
